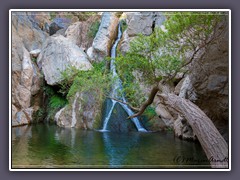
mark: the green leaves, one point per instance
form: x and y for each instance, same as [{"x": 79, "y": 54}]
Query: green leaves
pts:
[
  {"x": 96, "y": 79},
  {"x": 93, "y": 29}
]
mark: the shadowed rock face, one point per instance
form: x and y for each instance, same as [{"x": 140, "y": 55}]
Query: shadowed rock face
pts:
[
  {"x": 58, "y": 53},
  {"x": 57, "y": 24},
  {"x": 208, "y": 85}
]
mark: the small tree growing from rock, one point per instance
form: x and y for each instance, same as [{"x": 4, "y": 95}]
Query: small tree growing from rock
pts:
[{"x": 169, "y": 51}]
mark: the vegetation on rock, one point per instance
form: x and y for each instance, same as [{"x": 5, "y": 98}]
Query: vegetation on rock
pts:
[{"x": 93, "y": 29}]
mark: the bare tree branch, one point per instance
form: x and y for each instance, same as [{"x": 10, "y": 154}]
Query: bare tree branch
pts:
[{"x": 147, "y": 103}]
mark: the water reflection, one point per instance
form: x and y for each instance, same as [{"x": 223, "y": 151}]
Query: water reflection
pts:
[
  {"x": 45, "y": 146},
  {"x": 118, "y": 145}
]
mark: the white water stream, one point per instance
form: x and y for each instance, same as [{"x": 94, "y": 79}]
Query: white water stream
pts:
[{"x": 117, "y": 86}]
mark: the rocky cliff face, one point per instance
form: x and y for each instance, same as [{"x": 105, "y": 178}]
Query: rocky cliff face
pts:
[
  {"x": 104, "y": 38},
  {"x": 26, "y": 79},
  {"x": 208, "y": 83}
]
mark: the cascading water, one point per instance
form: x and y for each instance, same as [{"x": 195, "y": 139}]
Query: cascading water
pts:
[{"x": 117, "y": 86}]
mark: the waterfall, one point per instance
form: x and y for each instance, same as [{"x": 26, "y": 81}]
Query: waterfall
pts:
[{"x": 117, "y": 86}]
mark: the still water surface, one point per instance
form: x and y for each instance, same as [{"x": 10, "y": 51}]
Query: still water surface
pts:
[{"x": 48, "y": 146}]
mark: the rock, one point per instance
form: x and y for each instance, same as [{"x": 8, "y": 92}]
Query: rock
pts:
[
  {"x": 105, "y": 36},
  {"x": 58, "y": 53},
  {"x": 78, "y": 32},
  {"x": 178, "y": 87},
  {"x": 125, "y": 42},
  {"x": 35, "y": 53},
  {"x": 26, "y": 81},
  {"x": 61, "y": 32},
  {"x": 42, "y": 19},
  {"x": 187, "y": 91},
  {"x": 27, "y": 30},
  {"x": 140, "y": 23},
  {"x": 58, "y": 23},
  {"x": 207, "y": 84},
  {"x": 90, "y": 54},
  {"x": 23, "y": 89},
  {"x": 73, "y": 33},
  {"x": 143, "y": 22},
  {"x": 118, "y": 121},
  {"x": 183, "y": 130},
  {"x": 22, "y": 117},
  {"x": 37, "y": 80},
  {"x": 83, "y": 111}
]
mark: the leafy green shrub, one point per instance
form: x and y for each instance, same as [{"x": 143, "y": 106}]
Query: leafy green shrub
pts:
[
  {"x": 93, "y": 29},
  {"x": 57, "y": 102},
  {"x": 96, "y": 79}
]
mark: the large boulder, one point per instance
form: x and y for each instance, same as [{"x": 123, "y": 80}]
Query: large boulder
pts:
[
  {"x": 58, "y": 53},
  {"x": 78, "y": 32},
  {"x": 83, "y": 111},
  {"x": 140, "y": 23},
  {"x": 105, "y": 36},
  {"x": 59, "y": 23}
]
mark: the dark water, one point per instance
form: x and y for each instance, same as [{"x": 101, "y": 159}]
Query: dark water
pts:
[{"x": 48, "y": 146}]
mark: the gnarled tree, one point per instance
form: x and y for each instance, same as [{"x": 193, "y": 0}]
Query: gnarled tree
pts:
[{"x": 169, "y": 51}]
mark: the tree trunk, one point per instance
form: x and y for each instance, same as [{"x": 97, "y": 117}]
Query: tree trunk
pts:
[{"x": 211, "y": 140}]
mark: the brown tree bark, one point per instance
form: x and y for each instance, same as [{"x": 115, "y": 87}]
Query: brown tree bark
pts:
[
  {"x": 211, "y": 140},
  {"x": 154, "y": 91}
]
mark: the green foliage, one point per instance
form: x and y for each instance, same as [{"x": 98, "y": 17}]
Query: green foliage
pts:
[
  {"x": 34, "y": 59},
  {"x": 149, "y": 112},
  {"x": 123, "y": 24},
  {"x": 93, "y": 29},
  {"x": 53, "y": 15},
  {"x": 83, "y": 16},
  {"x": 38, "y": 115},
  {"x": 95, "y": 79},
  {"x": 165, "y": 51},
  {"x": 57, "y": 102},
  {"x": 68, "y": 76}
]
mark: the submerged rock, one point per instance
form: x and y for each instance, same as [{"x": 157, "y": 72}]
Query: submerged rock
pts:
[{"x": 58, "y": 53}]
